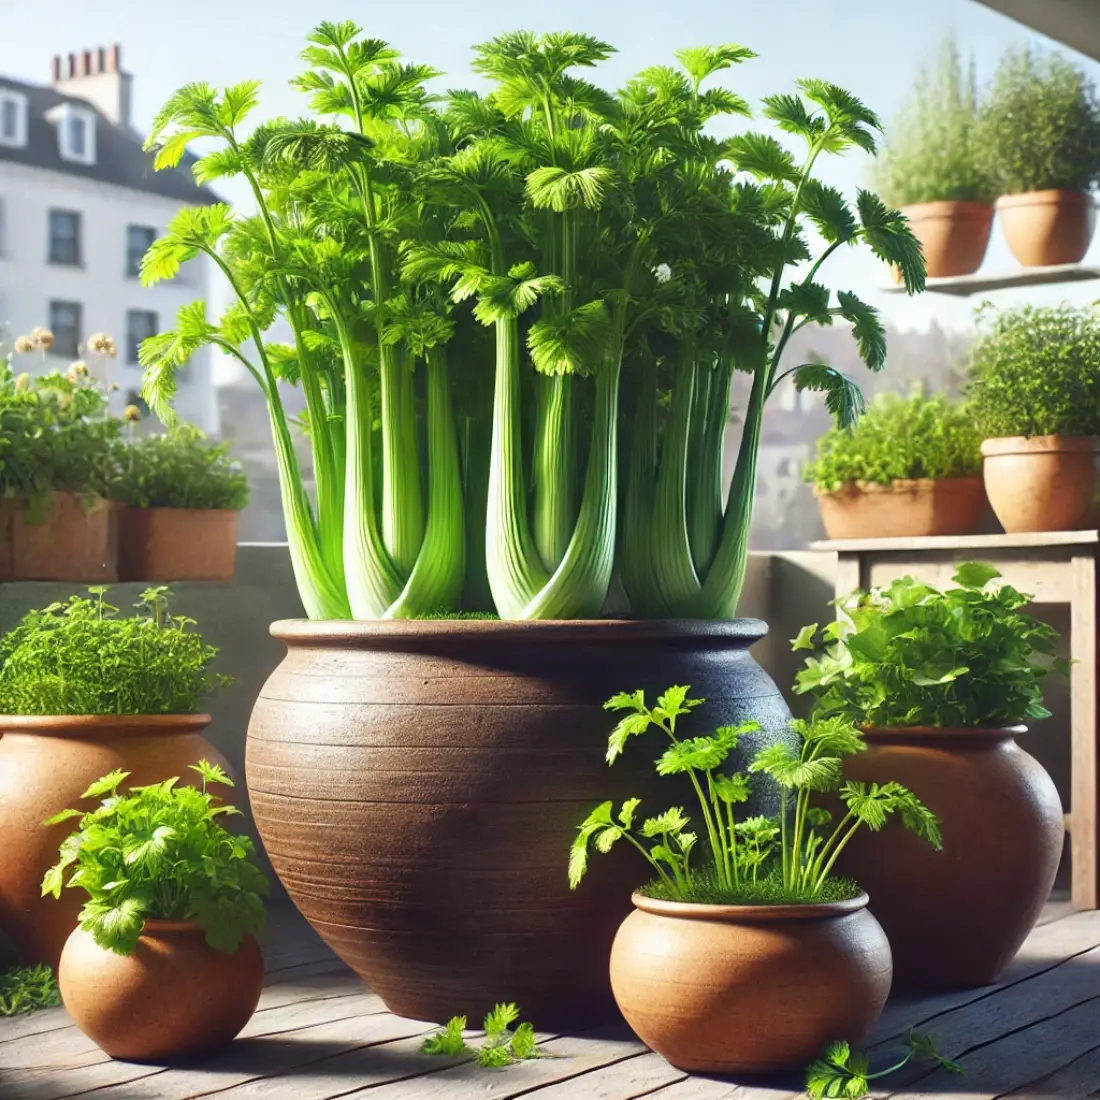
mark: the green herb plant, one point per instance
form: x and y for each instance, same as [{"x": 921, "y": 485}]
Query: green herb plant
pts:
[
  {"x": 898, "y": 438},
  {"x": 80, "y": 657},
  {"x": 500, "y": 1047},
  {"x": 160, "y": 853},
  {"x": 911, "y": 655},
  {"x": 1035, "y": 370},
  {"x": 840, "y": 1072},
  {"x": 24, "y": 988},
  {"x": 784, "y": 860}
]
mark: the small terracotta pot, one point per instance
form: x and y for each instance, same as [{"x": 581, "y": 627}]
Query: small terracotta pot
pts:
[
  {"x": 956, "y": 918},
  {"x": 76, "y": 540},
  {"x": 905, "y": 508},
  {"x": 953, "y": 235},
  {"x": 177, "y": 544},
  {"x": 748, "y": 988},
  {"x": 174, "y": 995},
  {"x": 1044, "y": 228},
  {"x": 46, "y": 764},
  {"x": 1042, "y": 483}
]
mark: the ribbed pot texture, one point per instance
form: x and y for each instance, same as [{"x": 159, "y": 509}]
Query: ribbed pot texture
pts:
[
  {"x": 749, "y": 989},
  {"x": 953, "y": 235},
  {"x": 177, "y": 544},
  {"x": 1044, "y": 228},
  {"x": 956, "y": 918},
  {"x": 906, "y": 508},
  {"x": 417, "y": 786},
  {"x": 46, "y": 764},
  {"x": 173, "y": 996}
]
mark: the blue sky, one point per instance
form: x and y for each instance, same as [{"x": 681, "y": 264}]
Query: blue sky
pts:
[{"x": 873, "y": 47}]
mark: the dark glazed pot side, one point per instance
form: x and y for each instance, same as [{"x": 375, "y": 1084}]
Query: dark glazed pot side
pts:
[{"x": 417, "y": 786}]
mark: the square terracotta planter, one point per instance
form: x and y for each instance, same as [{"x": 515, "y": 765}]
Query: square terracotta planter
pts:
[
  {"x": 177, "y": 544},
  {"x": 72, "y": 538}
]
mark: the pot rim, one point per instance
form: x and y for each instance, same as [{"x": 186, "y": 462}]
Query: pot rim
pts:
[
  {"x": 156, "y": 927},
  {"x": 97, "y": 725},
  {"x": 687, "y": 910},
  {"x": 944, "y": 734},
  {"x": 899, "y": 485},
  {"x": 979, "y": 211},
  {"x": 1044, "y": 197},
  {"x": 996, "y": 446}
]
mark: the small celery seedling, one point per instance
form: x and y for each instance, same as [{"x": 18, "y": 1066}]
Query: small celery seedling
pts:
[
  {"x": 501, "y": 1046},
  {"x": 841, "y": 1072}
]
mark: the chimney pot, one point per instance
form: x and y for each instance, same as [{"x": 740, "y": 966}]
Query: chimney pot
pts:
[
  {"x": 114, "y": 58},
  {"x": 100, "y": 60},
  {"x": 86, "y": 63},
  {"x": 72, "y": 65},
  {"x": 55, "y": 68}
]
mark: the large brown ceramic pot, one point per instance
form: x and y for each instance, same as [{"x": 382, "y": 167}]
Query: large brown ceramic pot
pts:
[
  {"x": 70, "y": 538},
  {"x": 1044, "y": 228},
  {"x": 1042, "y": 483},
  {"x": 417, "y": 786},
  {"x": 46, "y": 764},
  {"x": 953, "y": 235},
  {"x": 903, "y": 509},
  {"x": 956, "y": 918},
  {"x": 173, "y": 996},
  {"x": 177, "y": 544},
  {"x": 748, "y": 988}
]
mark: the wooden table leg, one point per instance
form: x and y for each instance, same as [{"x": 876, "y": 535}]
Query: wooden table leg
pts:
[{"x": 1083, "y": 748}]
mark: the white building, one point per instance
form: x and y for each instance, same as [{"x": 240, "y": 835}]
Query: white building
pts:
[{"x": 79, "y": 204}]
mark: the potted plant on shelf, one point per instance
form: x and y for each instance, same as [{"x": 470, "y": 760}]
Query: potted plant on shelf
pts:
[
  {"x": 941, "y": 682},
  {"x": 83, "y": 689},
  {"x": 1035, "y": 393},
  {"x": 164, "y": 962},
  {"x": 1039, "y": 133},
  {"x": 607, "y": 255},
  {"x": 909, "y": 466},
  {"x": 756, "y": 955},
  {"x": 930, "y": 167},
  {"x": 181, "y": 496}
]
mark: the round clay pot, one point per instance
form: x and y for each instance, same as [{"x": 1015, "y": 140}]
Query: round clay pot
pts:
[
  {"x": 417, "y": 785},
  {"x": 747, "y": 988},
  {"x": 46, "y": 764},
  {"x": 1044, "y": 228},
  {"x": 953, "y": 235},
  {"x": 1041, "y": 483},
  {"x": 174, "y": 995},
  {"x": 956, "y": 918},
  {"x": 177, "y": 544},
  {"x": 903, "y": 509}
]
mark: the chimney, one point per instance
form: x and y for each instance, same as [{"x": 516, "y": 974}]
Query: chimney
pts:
[{"x": 96, "y": 76}]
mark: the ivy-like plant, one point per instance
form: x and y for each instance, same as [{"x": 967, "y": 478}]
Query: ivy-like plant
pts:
[
  {"x": 911, "y": 655},
  {"x": 841, "y": 1072},
  {"x": 160, "y": 853},
  {"x": 774, "y": 861}
]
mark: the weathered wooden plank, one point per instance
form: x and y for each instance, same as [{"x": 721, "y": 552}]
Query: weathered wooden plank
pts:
[
  {"x": 711, "y": 1088},
  {"x": 625, "y": 1080},
  {"x": 33, "y": 1023},
  {"x": 1080, "y": 1079}
]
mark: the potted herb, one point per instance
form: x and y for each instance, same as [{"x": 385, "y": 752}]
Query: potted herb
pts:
[
  {"x": 941, "y": 683},
  {"x": 605, "y": 254},
  {"x": 931, "y": 168},
  {"x": 1039, "y": 132},
  {"x": 1035, "y": 392},
  {"x": 909, "y": 466},
  {"x": 182, "y": 495},
  {"x": 83, "y": 687},
  {"x": 746, "y": 953},
  {"x": 164, "y": 962}
]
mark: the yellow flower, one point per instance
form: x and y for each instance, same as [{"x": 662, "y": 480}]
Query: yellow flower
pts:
[
  {"x": 132, "y": 413},
  {"x": 79, "y": 368},
  {"x": 45, "y": 339},
  {"x": 102, "y": 344},
  {"x": 23, "y": 381},
  {"x": 25, "y": 344}
]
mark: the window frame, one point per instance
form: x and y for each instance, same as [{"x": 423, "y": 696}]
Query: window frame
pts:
[
  {"x": 19, "y": 100},
  {"x": 68, "y": 114},
  {"x": 66, "y": 351},
  {"x": 133, "y": 344},
  {"x": 78, "y": 237},
  {"x": 133, "y": 271}
]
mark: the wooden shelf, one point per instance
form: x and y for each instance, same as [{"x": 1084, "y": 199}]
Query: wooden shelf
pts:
[
  {"x": 1019, "y": 541},
  {"x": 966, "y": 286}
]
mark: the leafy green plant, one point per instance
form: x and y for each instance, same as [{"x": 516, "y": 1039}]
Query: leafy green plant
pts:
[
  {"x": 1035, "y": 370},
  {"x": 930, "y": 153},
  {"x": 911, "y": 655},
  {"x": 898, "y": 437},
  {"x": 27, "y": 989},
  {"x": 501, "y": 1046},
  {"x": 841, "y": 1072},
  {"x": 159, "y": 853},
  {"x": 180, "y": 469},
  {"x": 756, "y": 860},
  {"x": 614, "y": 260},
  {"x": 81, "y": 657},
  {"x": 1039, "y": 128}
]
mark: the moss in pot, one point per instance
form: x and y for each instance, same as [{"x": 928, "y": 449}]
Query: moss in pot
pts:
[{"x": 942, "y": 681}]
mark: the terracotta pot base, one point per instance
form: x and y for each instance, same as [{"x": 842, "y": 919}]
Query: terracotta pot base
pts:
[
  {"x": 1045, "y": 228},
  {"x": 953, "y": 235},
  {"x": 177, "y": 544},
  {"x": 72, "y": 540},
  {"x": 903, "y": 509}
]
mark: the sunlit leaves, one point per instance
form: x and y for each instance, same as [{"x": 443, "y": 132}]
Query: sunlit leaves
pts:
[
  {"x": 570, "y": 343},
  {"x": 827, "y": 208},
  {"x": 867, "y": 328},
  {"x": 890, "y": 238},
  {"x": 760, "y": 155},
  {"x": 843, "y": 397},
  {"x": 699, "y": 62},
  {"x": 561, "y": 190}
]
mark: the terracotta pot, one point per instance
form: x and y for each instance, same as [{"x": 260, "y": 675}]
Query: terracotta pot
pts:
[
  {"x": 748, "y": 988},
  {"x": 903, "y": 509},
  {"x": 956, "y": 918},
  {"x": 7, "y": 516},
  {"x": 75, "y": 539},
  {"x": 1044, "y": 228},
  {"x": 173, "y": 996},
  {"x": 1042, "y": 483},
  {"x": 953, "y": 235},
  {"x": 417, "y": 786},
  {"x": 46, "y": 764},
  {"x": 177, "y": 544}
]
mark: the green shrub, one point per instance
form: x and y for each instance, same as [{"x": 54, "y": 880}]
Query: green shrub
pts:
[
  {"x": 898, "y": 437},
  {"x": 929, "y": 154},
  {"x": 1036, "y": 371},
  {"x": 1039, "y": 128},
  {"x": 81, "y": 658}
]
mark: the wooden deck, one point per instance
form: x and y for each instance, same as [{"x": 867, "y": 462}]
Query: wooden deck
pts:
[{"x": 320, "y": 1033}]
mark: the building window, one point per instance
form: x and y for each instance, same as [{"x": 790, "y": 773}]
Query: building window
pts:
[
  {"x": 75, "y": 133},
  {"x": 65, "y": 324},
  {"x": 138, "y": 240},
  {"x": 140, "y": 325},
  {"x": 13, "y": 118},
  {"x": 65, "y": 237}
]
